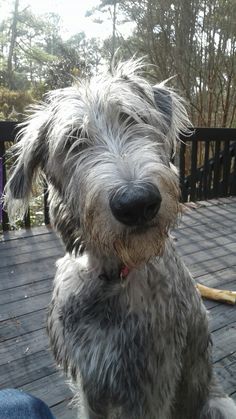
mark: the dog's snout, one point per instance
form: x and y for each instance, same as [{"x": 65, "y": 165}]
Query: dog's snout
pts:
[{"x": 136, "y": 205}]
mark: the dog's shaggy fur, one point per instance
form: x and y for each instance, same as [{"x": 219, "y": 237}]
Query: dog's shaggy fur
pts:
[{"x": 125, "y": 322}]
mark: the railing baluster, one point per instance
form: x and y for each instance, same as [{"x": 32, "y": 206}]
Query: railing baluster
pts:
[
  {"x": 210, "y": 193},
  {"x": 46, "y": 209},
  {"x": 226, "y": 168},
  {"x": 206, "y": 173},
  {"x": 184, "y": 193},
  {"x": 216, "y": 181},
  {"x": 193, "y": 179},
  {"x": 5, "y": 220},
  {"x": 27, "y": 219},
  {"x": 200, "y": 186},
  {"x": 233, "y": 178}
]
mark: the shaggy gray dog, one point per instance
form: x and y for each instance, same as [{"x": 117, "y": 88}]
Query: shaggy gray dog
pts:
[{"x": 125, "y": 322}]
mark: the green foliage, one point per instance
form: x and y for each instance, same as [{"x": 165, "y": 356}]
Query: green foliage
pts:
[
  {"x": 13, "y": 103},
  {"x": 61, "y": 73},
  {"x": 193, "y": 40},
  {"x": 34, "y": 56},
  {"x": 38, "y": 90}
]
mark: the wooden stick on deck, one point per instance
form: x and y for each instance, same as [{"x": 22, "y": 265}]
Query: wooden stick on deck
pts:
[{"x": 225, "y": 296}]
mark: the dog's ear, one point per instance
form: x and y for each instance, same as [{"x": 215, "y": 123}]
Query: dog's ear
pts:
[
  {"x": 31, "y": 154},
  {"x": 163, "y": 101},
  {"x": 173, "y": 110}
]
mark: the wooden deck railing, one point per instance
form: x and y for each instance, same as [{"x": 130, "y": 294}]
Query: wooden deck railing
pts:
[{"x": 207, "y": 165}]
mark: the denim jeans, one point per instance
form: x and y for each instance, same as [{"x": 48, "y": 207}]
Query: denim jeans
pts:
[{"x": 15, "y": 404}]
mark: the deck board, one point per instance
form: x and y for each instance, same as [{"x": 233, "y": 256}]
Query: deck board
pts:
[{"x": 206, "y": 239}]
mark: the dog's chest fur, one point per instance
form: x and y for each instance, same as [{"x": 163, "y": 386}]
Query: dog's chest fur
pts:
[{"x": 121, "y": 338}]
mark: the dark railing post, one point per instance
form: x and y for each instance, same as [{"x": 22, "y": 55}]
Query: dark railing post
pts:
[
  {"x": 233, "y": 178},
  {"x": 46, "y": 208},
  {"x": 27, "y": 219},
  {"x": 206, "y": 170},
  {"x": 1, "y": 186},
  {"x": 216, "y": 180},
  {"x": 193, "y": 179},
  {"x": 226, "y": 169},
  {"x": 5, "y": 220},
  {"x": 184, "y": 192}
]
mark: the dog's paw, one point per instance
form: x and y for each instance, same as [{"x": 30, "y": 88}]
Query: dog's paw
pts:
[{"x": 219, "y": 408}]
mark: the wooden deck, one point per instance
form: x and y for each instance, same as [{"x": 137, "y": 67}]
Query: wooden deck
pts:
[{"x": 206, "y": 239}]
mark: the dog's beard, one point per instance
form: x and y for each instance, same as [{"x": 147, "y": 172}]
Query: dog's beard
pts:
[
  {"x": 133, "y": 256},
  {"x": 132, "y": 248},
  {"x": 137, "y": 250}
]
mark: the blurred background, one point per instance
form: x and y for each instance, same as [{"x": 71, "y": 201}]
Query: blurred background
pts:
[{"x": 45, "y": 44}]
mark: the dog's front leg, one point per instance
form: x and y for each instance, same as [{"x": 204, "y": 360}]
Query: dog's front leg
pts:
[
  {"x": 194, "y": 384},
  {"x": 87, "y": 413},
  {"x": 66, "y": 326}
]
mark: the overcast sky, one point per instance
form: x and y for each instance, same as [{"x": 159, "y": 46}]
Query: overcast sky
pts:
[{"x": 72, "y": 13}]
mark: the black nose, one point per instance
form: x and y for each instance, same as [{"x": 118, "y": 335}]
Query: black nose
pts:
[{"x": 135, "y": 205}]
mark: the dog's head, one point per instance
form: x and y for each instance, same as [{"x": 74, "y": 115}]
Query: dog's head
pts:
[{"x": 105, "y": 147}]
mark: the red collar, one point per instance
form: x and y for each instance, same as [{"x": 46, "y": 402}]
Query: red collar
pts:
[{"x": 124, "y": 272}]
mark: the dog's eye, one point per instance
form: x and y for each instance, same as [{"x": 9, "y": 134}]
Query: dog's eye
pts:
[
  {"x": 76, "y": 141},
  {"x": 172, "y": 156},
  {"x": 129, "y": 120},
  {"x": 75, "y": 146}
]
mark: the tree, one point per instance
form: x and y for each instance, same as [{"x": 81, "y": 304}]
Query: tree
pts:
[
  {"x": 37, "y": 55},
  {"x": 110, "y": 9},
  {"x": 78, "y": 57},
  {"x": 196, "y": 41},
  {"x": 25, "y": 48},
  {"x": 13, "y": 37}
]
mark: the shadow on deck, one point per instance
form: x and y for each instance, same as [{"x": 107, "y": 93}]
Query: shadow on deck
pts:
[{"x": 207, "y": 241}]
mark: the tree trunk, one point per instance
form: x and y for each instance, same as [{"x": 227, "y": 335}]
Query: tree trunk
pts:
[
  {"x": 12, "y": 45},
  {"x": 113, "y": 30}
]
